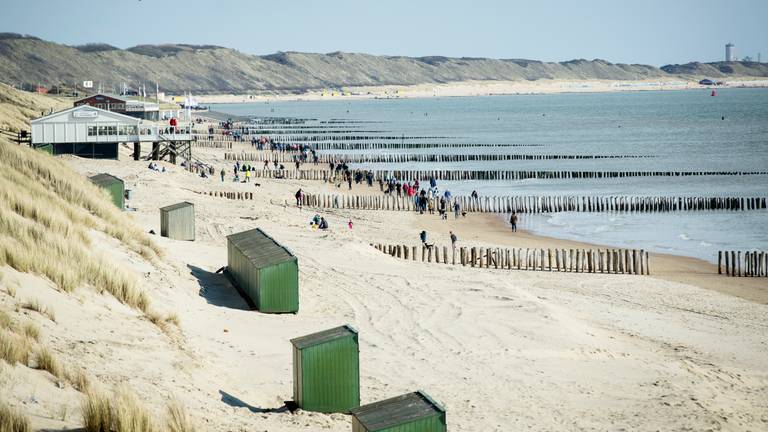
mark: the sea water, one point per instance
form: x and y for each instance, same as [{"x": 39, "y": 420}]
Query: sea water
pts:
[{"x": 676, "y": 130}]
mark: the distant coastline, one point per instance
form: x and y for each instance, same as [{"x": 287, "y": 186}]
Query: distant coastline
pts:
[{"x": 481, "y": 88}]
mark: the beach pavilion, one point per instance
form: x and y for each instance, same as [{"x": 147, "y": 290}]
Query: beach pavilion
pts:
[{"x": 92, "y": 132}]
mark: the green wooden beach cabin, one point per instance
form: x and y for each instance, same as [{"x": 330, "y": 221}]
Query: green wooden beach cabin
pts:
[
  {"x": 113, "y": 185},
  {"x": 266, "y": 271},
  {"x": 326, "y": 370},
  {"x": 412, "y": 412},
  {"x": 177, "y": 221}
]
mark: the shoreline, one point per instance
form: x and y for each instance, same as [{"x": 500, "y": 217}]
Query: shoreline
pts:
[
  {"x": 491, "y": 229},
  {"x": 482, "y": 88}
]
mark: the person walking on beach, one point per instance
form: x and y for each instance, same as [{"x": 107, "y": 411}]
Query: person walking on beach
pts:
[
  {"x": 456, "y": 209},
  {"x": 222, "y": 175},
  {"x": 248, "y": 176},
  {"x": 513, "y": 221},
  {"x": 349, "y": 223},
  {"x": 454, "y": 239},
  {"x": 298, "y": 196}
]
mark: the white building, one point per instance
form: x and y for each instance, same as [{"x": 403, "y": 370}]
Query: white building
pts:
[{"x": 87, "y": 131}]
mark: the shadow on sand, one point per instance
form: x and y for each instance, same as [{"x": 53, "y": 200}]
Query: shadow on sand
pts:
[
  {"x": 217, "y": 290},
  {"x": 237, "y": 403}
]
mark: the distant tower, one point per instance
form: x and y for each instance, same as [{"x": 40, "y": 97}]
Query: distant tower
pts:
[{"x": 730, "y": 52}]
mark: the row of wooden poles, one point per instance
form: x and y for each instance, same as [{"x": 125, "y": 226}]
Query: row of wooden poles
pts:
[
  {"x": 212, "y": 144},
  {"x": 540, "y": 204},
  {"x": 230, "y": 195},
  {"x": 753, "y": 263},
  {"x": 450, "y": 175},
  {"x": 260, "y": 156},
  {"x": 616, "y": 261},
  {"x": 318, "y": 137}
]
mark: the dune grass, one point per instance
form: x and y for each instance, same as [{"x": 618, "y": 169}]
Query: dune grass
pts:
[
  {"x": 122, "y": 411},
  {"x": 14, "y": 348},
  {"x": 46, "y": 213},
  {"x": 31, "y": 331},
  {"x": 12, "y": 420},
  {"x": 35, "y": 305},
  {"x": 177, "y": 418},
  {"x": 47, "y": 361}
]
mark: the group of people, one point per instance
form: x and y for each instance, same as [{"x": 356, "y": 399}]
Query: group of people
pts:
[
  {"x": 319, "y": 222},
  {"x": 423, "y": 237}
]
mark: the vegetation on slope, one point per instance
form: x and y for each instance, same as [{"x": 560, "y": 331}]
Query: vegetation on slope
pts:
[{"x": 213, "y": 69}]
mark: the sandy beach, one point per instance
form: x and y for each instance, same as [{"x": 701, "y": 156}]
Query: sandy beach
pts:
[
  {"x": 502, "y": 350},
  {"x": 480, "y": 88}
]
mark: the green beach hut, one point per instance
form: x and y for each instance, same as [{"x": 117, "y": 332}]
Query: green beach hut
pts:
[
  {"x": 412, "y": 412},
  {"x": 326, "y": 370},
  {"x": 177, "y": 221},
  {"x": 113, "y": 185},
  {"x": 266, "y": 272}
]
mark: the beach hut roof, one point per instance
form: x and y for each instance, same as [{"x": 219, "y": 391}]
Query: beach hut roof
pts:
[
  {"x": 323, "y": 336},
  {"x": 396, "y": 411},
  {"x": 260, "y": 249},
  {"x": 104, "y": 179},
  {"x": 176, "y": 206}
]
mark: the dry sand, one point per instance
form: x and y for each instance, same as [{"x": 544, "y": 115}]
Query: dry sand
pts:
[
  {"x": 503, "y": 350},
  {"x": 482, "y": 88}
]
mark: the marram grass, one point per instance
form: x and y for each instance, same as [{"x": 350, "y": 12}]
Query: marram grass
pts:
[{"x": 46, "y": 213}]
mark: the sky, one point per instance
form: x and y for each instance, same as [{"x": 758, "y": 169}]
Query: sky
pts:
[{"x": 655, "y": 32}]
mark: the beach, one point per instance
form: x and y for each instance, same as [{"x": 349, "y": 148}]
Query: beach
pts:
[
  {"x": 478, "y": 88},
  {"x": 502, "y": 350}
]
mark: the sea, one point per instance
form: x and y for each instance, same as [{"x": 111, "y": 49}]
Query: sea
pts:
[{"x": 681, "y": 130}]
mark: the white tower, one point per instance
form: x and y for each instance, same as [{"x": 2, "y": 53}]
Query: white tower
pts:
[{"x": 730, "y": 52}]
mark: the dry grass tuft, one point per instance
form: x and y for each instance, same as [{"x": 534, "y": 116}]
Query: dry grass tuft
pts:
[
  {"x": 120, "y": 413},
  {"x": 164, "y": 322},
  {"x": 6, "y": 323},
  {"x": 12, "y": 420},
  {"x": 177, "y": 418},
  {"x": 11, "y": 290},
  {"x": 40, "y": 308},
  {"x": 47, "y": 361},
  {"x": 14, "y": 348},
  {"x": 79, "y": 379},
  {"x": 31, "y": 331},
  {"x": 96, "y": 412}
]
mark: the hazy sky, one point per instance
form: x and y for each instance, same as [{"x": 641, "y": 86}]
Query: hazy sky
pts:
[{"x": 655, "y": 32}]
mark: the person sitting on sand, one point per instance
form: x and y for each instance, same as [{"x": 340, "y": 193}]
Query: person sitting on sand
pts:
[
  {"x": 323, "y": 224},
  {"x": 316, "y": 219},
  {"x": 513, "y": 221}
]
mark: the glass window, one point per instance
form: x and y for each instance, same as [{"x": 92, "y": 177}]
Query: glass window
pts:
[
  {"x": 112, "y": 130},
  {"x": 102, "y": 130},
  {"x": 132, "y": 130},
  {"x": 91, "y": 130}
]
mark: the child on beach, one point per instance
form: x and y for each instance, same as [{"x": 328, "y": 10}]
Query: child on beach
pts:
[{"x": 349, "y": 223}]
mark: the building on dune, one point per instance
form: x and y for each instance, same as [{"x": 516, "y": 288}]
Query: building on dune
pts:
[
  {"x": 412, "y": 412},
  {"x": 266, "y": 272},
  {"x": 93, "y": 132},
  {"x": 134, "y": 107},
  {"x": 326, "y": 370}
]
